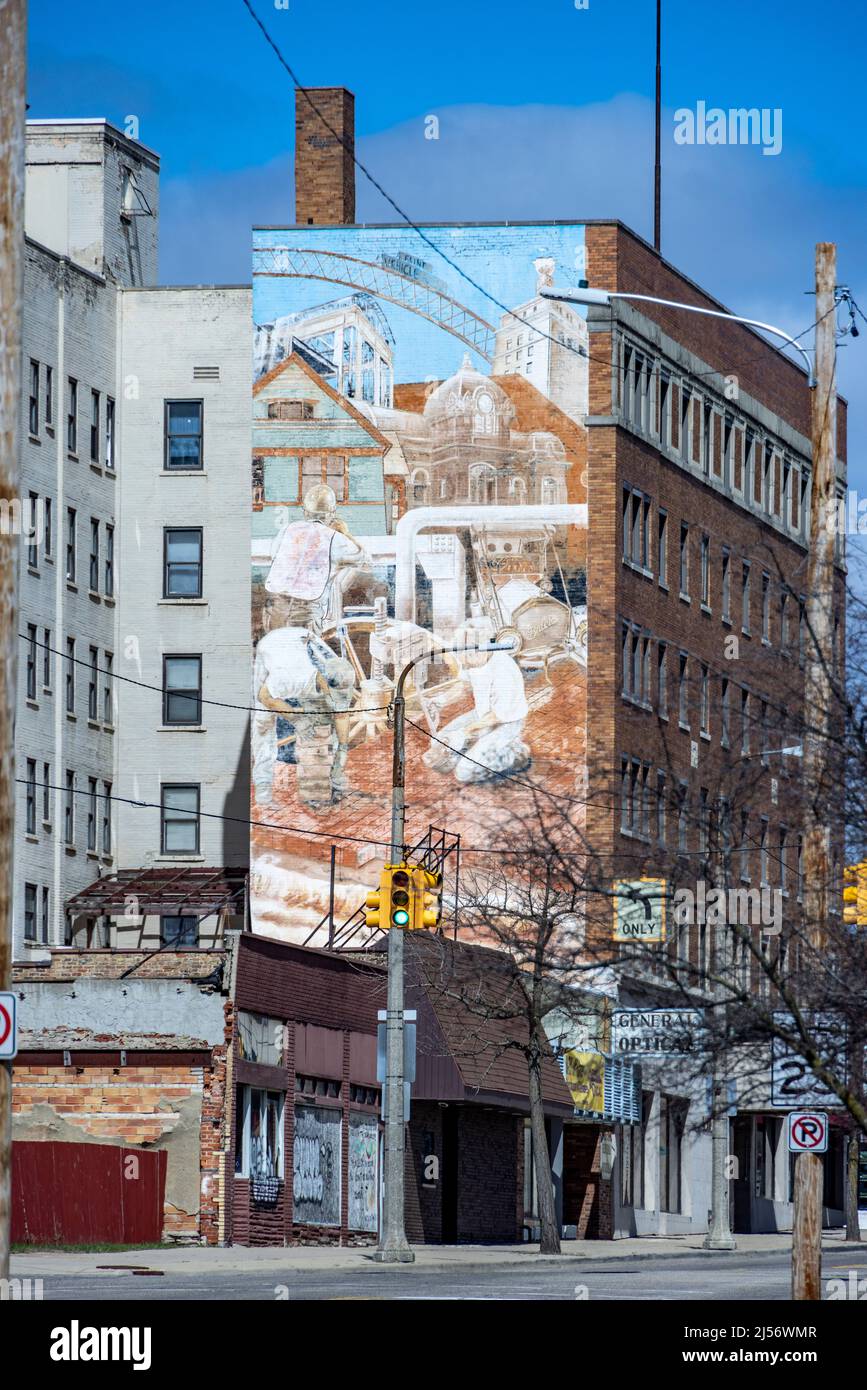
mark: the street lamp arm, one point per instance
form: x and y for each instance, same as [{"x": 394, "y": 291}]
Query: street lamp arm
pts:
[{"x": 594, "y": 296}]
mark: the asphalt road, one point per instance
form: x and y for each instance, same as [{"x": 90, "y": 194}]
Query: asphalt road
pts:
[{"x": 695, "y": 1278}]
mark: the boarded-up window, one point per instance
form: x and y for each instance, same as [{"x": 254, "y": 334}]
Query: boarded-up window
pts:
[
  {"x": 716, "y": 455},
  {"x": 696, "y": 430},
  {"x": 363, "y": 1171},
  {"x": 739, "y": 460},
  {"x": 675, "y": 416},
  {"x": 316, "y": 1165},
  {"x": 777, "y": 503}
]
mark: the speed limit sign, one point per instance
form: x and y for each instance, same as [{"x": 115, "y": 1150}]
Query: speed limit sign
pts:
[{"x": 808, "y": 1132}]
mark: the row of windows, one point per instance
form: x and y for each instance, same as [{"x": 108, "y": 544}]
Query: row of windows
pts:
[
  {"x": 781, "y": 611},
  {"x": 100, "y": 566},
  {"x": 704, "y": 434},
  {"x": 101, "y": 422},
  {"x": 646, "y": 682},
  {"x": 651, "y": 810},
  {"x": 100, "y": 675}
]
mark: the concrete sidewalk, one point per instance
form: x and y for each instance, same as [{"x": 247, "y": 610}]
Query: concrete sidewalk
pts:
[{"x": 196, "y": 1259}]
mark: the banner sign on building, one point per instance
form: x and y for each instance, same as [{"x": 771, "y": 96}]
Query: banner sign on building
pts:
[
  {"x": 418, "y": 483},
  {"x": 639, "y": 910},
  {"x": 655, "y": 1032}
]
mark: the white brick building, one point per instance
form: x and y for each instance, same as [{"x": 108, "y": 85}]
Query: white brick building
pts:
[{"x": 104, "y": 353}]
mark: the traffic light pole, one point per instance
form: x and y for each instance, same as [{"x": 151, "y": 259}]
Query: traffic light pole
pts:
[{"x": 393, "y": 1247}]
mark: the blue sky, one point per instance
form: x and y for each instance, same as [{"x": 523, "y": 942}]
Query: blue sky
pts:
[{"x": 545, "y": 111}]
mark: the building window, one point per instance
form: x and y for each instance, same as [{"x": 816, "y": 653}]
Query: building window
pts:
[
  {"x": 94, "y": 555},
  {"x": 726, "y": 587},
  {"x": 45, "y": 901},
  {"x": 662, "y": 679},
  {"x": 91, "y": 814},
  {"x": 30, "y": 912},
  {"x": 661, "y": 795},
  {"x": 662, "y": 547},
  {"x": 72, "y": 416},
  {"x": 745, "y": 721},
  {"x": 71, "y": 544},
  {"x": 33, "y": 411},
  {"x": 180, "y": 819},
  {"x": 109, "y": 433},
  {"x": 69, "y": 808},
  {"x": 705, "y": 701},
  {"x": 705, "y": 571},
  {"x": 46, "y": 792},
  {"x": 259, "y": 1133},
  {"x": 107, "y": 693},
  {"x": 329, "y": 469},
  {"x": 725, "y": 726},
  {"x": 744, "y": 847},
  {"x": 745, "y": 599},
  {"x": 290, "y": 410},
  {"x": 94, "y": 427},
  {"x": 30, "y": 795},
  {"x": 683, "y": 817},
  {"x": 684, "y": 560},
  {"x": 46, "y": 658},
  {"x": 32, "y": 531},
  {"x": 92, "y": 699},
  {"x": 766, "y": 608},
  {"x": 420, "y": 486},
  {"x": 182, "y": 576},
  {"x": 109, "y": 561},
  {"x": 179, "y": 931},
  {"x": 683, "y": 690},
  {"x": 763, "y": 852},
  {"x": 47, "y": 546},
  {"x": 31, "y": 662},
  {"x": 183, "y": 434},
  {"x": 783, "y": 853},
  {"x": 49, "y": 397},
  {"x": 182, "y": 689},
  {"x": 70, "y": 675},
  {"x": 106, "y": 818}
]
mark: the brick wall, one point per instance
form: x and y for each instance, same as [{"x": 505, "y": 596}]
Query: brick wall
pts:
[
  {"x": 587, "y": 1199},
  {"x": 324, "y": 168},
  {"x": 133, "y": 1106}
]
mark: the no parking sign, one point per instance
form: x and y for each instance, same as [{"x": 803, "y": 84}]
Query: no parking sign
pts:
[
  {"x": 8, "y": 1026},
  {"x": 808, "y": 1132}
]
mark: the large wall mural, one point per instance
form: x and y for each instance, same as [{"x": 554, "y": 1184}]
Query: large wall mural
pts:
[{"x": 418, "y": 483}]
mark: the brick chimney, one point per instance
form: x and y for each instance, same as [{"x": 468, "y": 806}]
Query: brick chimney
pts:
[{"x": 324, "y": 168}]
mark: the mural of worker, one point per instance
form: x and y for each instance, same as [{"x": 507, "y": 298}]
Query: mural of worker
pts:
[
  {"x": 297, "y": 676},
  {"x": 490, "y": 735},
  {"x": 305, "y": 559}
]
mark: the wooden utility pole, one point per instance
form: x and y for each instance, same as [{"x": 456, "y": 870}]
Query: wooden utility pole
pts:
[
  {"x": 819, "y": 765},
  {"x": 12, "y": 106}
]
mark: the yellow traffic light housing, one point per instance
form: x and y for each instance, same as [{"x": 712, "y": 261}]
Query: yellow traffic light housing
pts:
[
  {"x": 400, "y": 896},
  {"x": 855, "y": 894},
  {"x": 376, "y": 906},
  {"x": 427, "y": 900}
]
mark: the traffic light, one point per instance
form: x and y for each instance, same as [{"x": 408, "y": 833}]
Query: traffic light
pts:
[
  {"x": 855, "y": 894},
  {"x": 427, "y": 899},
  {"x": 376, "y": 907},
  {"x": 400, "y": 905}
]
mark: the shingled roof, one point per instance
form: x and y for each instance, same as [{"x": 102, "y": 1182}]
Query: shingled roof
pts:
[{"x": 472, "y": 1026}]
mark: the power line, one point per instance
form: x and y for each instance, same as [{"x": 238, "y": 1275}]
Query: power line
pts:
[{"x": 404, "y": 216}]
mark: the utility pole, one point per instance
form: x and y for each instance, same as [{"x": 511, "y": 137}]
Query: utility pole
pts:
[
  {"x": 818, "y": 695},
  {"x": 393, "y": 1247},
  {"x": 13, "y": 27},
  {"x": 719, "y": 1237},
  {"x": 657, "y": 168}
]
